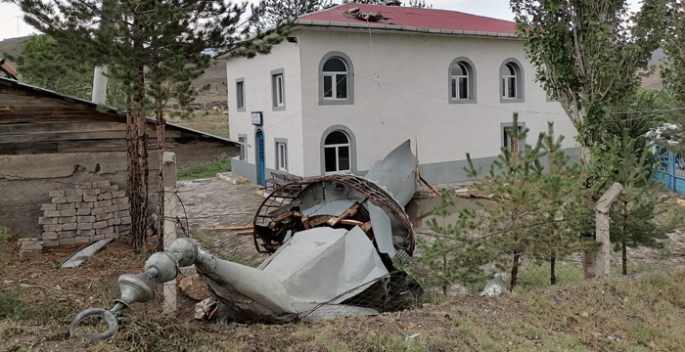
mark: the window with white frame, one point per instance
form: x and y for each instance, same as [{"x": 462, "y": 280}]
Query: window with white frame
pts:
[
  {"x": 335, "y": 79},
  {"x": 281, "y": 155},
  {"x": 240, "y": 94},
  {"x": 462, "y": 81},
  {"x": 509, "y": 140},
  {"x": 242, "y": 139},
  {"x": 511, "y": 82},
  {"x": 337, "y": 152},
  {"x": 278, "y": 89}
]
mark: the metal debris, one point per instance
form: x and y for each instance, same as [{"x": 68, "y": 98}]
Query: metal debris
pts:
[
  {"x": 364, "y": 16},
  {"x": 494, "y": 287},
  {"x": 82, "y": 254},
  {"x": 332, "y": 239}
]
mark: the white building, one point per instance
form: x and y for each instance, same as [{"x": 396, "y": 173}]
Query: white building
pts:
[{"x": 342, "y": 92}]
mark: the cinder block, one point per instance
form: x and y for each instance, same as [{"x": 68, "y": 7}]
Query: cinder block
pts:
[
  {"x": 111, "y": 188},
  {"x": 52, "y": 213},
  {"x": 105, "y": 196},
  {"x": 98, "y": 237},
  {"x": 101, "y": 184},
  {"x": 103, "y": 203},
  {"x": 100, "y": 225},
  {"x": 82, "y": 219},
  {"x": 98, "y": 211},
  {"x": 50, "y": 236},
  {"x": 69, "y": 227},
  {"x": 123, "y": 200},
  {"x": 84, "y": 205},
  {"x": 124, "y": 206},
  {"x": 91, "y": 192},
  {"x": 90, "y": 199},
  {"x": 80, "y": 239},
  {"x": 85, "y": 233},
  {"x": 84, "y": 185},
  {"x": 70, "y": 192},
  {"x": 118, "y": 194},
  {"x": 115, "y": 221},
  {"x": 123, "y": 228},
  {"x": 66, "y": 234},
  {"x": 84, "y": 226},
  {"x": 126, "y": 220},
  {"x": 56, "y": 194},
  {"x": 68, "y": 212},
  {"x": 48, "y": 221},
  {"x": 113, "y": 208},
  {"x": 83, "y": 211},
  {"x": 66, "y": 241},
  {"x": 75, "y": 198},
  {"x": 123, "y": 213},
  {"x": 112, "y": 235},
  {"x": 32, "y": 245},
  {"x": 48, "y": 206},
  {"x": 66, "y": 206},
  {"x": 104, "y": 217},
  {"x": 67, "y": 219},
  {"x": 105, "y": 231},
  {"x": 51, "y": 243},
  {"x": 52, "y": 228},
  {"x": 59, "y": 200}
]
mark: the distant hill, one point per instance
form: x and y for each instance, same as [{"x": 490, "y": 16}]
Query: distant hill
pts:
[{"x": 215, "y": 75}]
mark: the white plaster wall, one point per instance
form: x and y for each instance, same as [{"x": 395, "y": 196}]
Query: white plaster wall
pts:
[
  {"x": 412, "y": 100},
  {"x": 277, "y": 124}
]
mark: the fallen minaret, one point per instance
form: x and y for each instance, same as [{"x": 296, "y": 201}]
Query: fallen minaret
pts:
[{"x": 338, "y": 245}]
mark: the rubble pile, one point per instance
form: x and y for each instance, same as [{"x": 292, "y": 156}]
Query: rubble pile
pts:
[{"x": 91, "y": 212}]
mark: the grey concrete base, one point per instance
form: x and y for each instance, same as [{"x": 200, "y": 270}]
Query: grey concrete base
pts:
[{"x": 435, "y": 173}]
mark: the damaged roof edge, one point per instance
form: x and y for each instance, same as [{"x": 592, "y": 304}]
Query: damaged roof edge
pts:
[
  {"x": 108, "y": 109},
  {"x": 395, "y": 27}
]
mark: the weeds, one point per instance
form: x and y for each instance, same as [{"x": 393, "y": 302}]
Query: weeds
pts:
[{"x": 205, "y": 171}]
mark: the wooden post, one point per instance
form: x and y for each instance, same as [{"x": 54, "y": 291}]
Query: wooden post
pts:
[
  {"x": 598, "y": 264},
  {"x": 170, "y": 213}
]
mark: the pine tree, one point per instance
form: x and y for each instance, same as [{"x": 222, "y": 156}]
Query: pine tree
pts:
[
  {"x": 276, "y": 11},
  {"x": 561, "y": 213},
  {"x": 511, "y": 185},
  {"x": 635, "y": 214},
  {"x": 148, "y": 46},
  {"x": 452, "y": 255}
]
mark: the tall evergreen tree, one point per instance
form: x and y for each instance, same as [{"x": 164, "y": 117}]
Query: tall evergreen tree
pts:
[
  {"x": 144, "y": 44},
  {"x": 276, "y": 11}
]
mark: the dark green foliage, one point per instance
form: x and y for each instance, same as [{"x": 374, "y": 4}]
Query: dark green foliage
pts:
[
  {"x": 452, "y": 255},
  {"x": 276, "y": 11},
  {"x": 535, "y": 211},
  {"x": 588, "y": 53},
  {"x": 635, "y": 213},
  {"x": 40, "y": 64}
]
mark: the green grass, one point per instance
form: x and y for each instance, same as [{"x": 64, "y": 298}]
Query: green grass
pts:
[{"x": 205, "y": 171}]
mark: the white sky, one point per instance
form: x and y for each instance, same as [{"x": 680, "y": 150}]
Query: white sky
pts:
[{"x": 12, "y": 24}]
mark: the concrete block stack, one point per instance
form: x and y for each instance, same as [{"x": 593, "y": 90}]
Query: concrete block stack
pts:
[
  {"x": 29, "y": 246},
  {"x": 91, "y": 212}
]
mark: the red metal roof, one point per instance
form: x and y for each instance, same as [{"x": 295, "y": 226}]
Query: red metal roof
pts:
[{"x": 417, "y": 17}]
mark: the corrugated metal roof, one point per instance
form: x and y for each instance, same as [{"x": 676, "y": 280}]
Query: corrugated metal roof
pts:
[
  {"x": 332, "y": 208},
  {"x": 382, "y": 229},
  {"x": 395, "y": 173}
]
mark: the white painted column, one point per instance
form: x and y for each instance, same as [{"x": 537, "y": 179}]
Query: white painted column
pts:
[
  {"x": 170, "y": 213},
  {"x": 99, "y": 85}
]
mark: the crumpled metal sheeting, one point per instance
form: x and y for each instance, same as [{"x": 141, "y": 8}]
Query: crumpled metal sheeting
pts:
[
  {"x": 395, "y": 173},
  {"x": 382, "y": 229},
  {"x": 333, "y": 208}
]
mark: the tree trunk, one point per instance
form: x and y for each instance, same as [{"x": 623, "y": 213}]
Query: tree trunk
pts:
[
  {"x": 624, "y": 250},
  {"x": 137, "y": 172},
  {"x": 624, "y": 257},
  {"x": 514, "y": 271},
  {"x": 159, "y": 115},
  {"x": 553, "y": 269}
]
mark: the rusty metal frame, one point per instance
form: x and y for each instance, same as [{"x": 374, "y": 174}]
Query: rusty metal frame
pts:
[{"x": 290, "y": 191}]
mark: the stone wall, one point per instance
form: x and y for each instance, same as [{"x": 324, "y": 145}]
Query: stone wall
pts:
[{"x": 91, "y": 212}]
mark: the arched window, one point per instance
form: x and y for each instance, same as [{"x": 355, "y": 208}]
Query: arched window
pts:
[
  {"x": 511, "y": 81},
  {"x": 462, "y": 81},
  {"x": 336, "y": 86},
  {"x": 337, "y": 152}
]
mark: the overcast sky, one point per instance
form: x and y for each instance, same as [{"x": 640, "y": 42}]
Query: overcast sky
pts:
[{"x": 12, "y": 25}]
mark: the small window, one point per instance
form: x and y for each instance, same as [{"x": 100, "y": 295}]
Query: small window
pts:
[
  {"x": 334, "y": 79},
  {"x": 243, "y": 147},
  {"x": 511, "y": 82},
  {"x": 278, "y": 89},
  {"x": 508, "y": 141},
  {"x": 337, "y": 152},
  {"x": 240, "y": 94},
  {"x": 462, "y": 81},
  {"x": 281, "y": 156}
]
